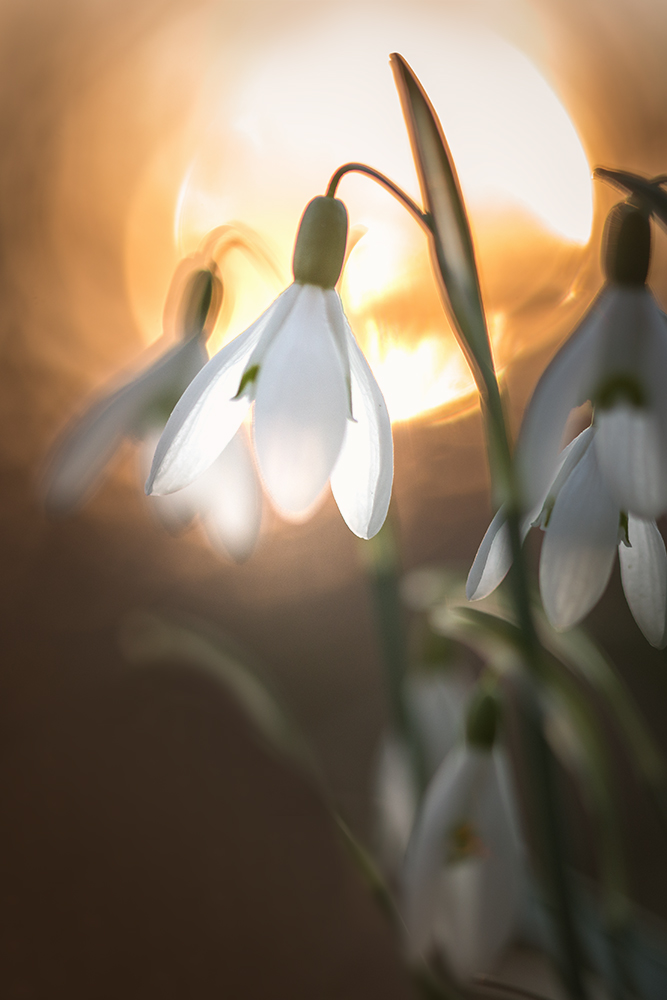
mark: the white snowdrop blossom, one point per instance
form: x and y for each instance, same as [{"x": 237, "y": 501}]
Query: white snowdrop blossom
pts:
[
  {"x": 319, "y": 414},
  {"x": 584, "y": 526},
  {"x": 229, "y": 501},
  {"x": 464, "y": 883},
  {"x": 617, "y": 359}
]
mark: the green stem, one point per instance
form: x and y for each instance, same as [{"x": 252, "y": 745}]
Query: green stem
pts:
[
  {"x": 384, "y": 571},
  {"x": 361, "y": 168}
]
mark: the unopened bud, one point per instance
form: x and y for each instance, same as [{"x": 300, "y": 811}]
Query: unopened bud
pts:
[
  {"x": 626, "y": 245},
  {"x": 482, "y": 719},
  {"x": 319, "y": 250},
  {"x": 200, "y": 304}
]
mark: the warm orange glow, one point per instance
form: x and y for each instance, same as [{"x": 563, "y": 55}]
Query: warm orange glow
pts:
[{"x": 300, "y": 104}]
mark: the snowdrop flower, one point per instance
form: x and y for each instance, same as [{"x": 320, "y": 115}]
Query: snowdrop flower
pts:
[
  {"x": 230, "y": 500},
  {"x": 617, "y": 359},
  {"x": 464, "y": 881},
  {"x": 319, "y": 414},
  {"x": 584, "y": 526}
]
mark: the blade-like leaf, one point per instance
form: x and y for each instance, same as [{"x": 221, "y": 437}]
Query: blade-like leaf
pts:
[{"x": 452, "y": 246}]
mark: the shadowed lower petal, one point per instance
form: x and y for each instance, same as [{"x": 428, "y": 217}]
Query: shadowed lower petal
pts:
[
  {"x": 579, "y": 546},
  {"x": 632, "y": 456},
  {"x": 301, "y": 406},
  {"x": 446, "y": 802},
  {"x": 207, "y": 416},
  {"x": 644, "y": 577},
  {"x": 90, "y": 442},
  {"x": 566, "y": 383},
  {"x": 362, "y": 477}
]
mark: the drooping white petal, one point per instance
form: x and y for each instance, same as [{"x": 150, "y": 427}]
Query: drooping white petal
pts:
[
  {"x": 633, "y": 460},
  {"x": 363, "y": 475},
  {"x": 448, "y": 800},
  {"x": 467, "y": 906},
  {"x": 231, "y": 499},
  {"x": 579, "y": 545},
  {"x": 566, "y": 382},
  {"x": 644, "y": 577},
  {"x": 300, "y": 406},
  {"x": 481, "y": 899},
  {"x": 207, "y": 416},
  {"x": 493, "y": 559},
  {"x": 89, "y": 443},
  {"x": 173, "y": 511}
]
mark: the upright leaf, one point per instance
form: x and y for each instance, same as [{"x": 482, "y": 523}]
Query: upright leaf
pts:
[{"x": 451, "y": 242}]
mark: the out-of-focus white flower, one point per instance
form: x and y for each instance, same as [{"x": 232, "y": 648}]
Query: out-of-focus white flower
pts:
[
  {"x": 584, "y": 526},
  {"x": 318, "y": 411},
  {"x": 464, "y": 886},
  {"x": 229, "y": 500},
  {"x": 617, "y": 359},
  {"x": 449, "y": 886}
]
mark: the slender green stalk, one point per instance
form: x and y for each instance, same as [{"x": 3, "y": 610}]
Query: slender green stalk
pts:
[
  {"x": 361, "y": 168},
  {"x": 383, "y": 564}
]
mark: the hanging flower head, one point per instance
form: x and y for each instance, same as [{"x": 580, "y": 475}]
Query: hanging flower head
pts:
[
  {"x": 464, "y": 877},
  {"x": 139, "y": 408},
  {"x": 584, "y": 527},
  {"x": 319, "y": 414},
  {"x": 617, "y": 359}
]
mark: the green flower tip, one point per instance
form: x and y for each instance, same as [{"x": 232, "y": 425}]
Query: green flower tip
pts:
[
  {"x": 201, "y": 302},
  {"x": 319, "y": 250},
  {"x": 626, "y": 244},
  {"x": 482, "y": 719}
]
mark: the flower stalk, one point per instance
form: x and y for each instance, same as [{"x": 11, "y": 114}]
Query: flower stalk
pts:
[{"x": 454, "y": 261}]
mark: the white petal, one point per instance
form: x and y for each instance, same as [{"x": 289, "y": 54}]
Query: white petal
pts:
[
  {"x": 231, "y": 499},
  {"x": 300, "y": 406},
  {"x": 579, "y": 545},
  {"x": 207, "y": 416},
  {"x": 632, "y": 457},
  {"x": 493, "y": 560},
  {"x": 447, "y": 801},
  {"x": 494, "y": 556},
  {"x": 89, "y": 443},
  {"x": 362, "y": 478},
  {"x": 175, "y": 511},
  {"x": 644, "y": 576},
  {"x": 480, "y": 899},
  {"x": 567, "y": 382}
]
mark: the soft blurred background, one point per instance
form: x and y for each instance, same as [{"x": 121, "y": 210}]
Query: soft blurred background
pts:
[{"x": 150, "y": 844}]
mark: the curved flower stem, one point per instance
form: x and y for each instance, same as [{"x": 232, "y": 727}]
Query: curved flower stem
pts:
[{"x": 422, "y": 218}]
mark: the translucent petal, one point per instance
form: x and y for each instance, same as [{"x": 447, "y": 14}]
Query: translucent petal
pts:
[
  {"x": 363, "y": 475},
  {"x": 493, "y": 560},
  {"x": 89, "y": 443},
  {"x": 231, "y": 499},
  {"x": 447, "y": 801},
  {"x": 633, "y": 459},
  {"x": 173, "y": 511},
  {"x": 579, "y": 545},
  {"x": 480, "y": 899},
  {"x": 567, "y": 382},
  {"x": 301, "y": 406},
  {"x": 644, "y": 576},
  {"x": 208, "y": 416}
]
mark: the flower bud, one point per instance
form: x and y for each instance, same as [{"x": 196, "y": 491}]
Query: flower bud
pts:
[
  {"x": 626, "y": 245},
  {"x": 482, "y": 719},
  {"x": 319, "y": 250},
  {"x": 200, "y": 304}
]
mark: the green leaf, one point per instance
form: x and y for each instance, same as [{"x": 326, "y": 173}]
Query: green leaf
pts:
[
  {"x": 147, "y": 639},
  {"x": 452, "y": 244}
]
